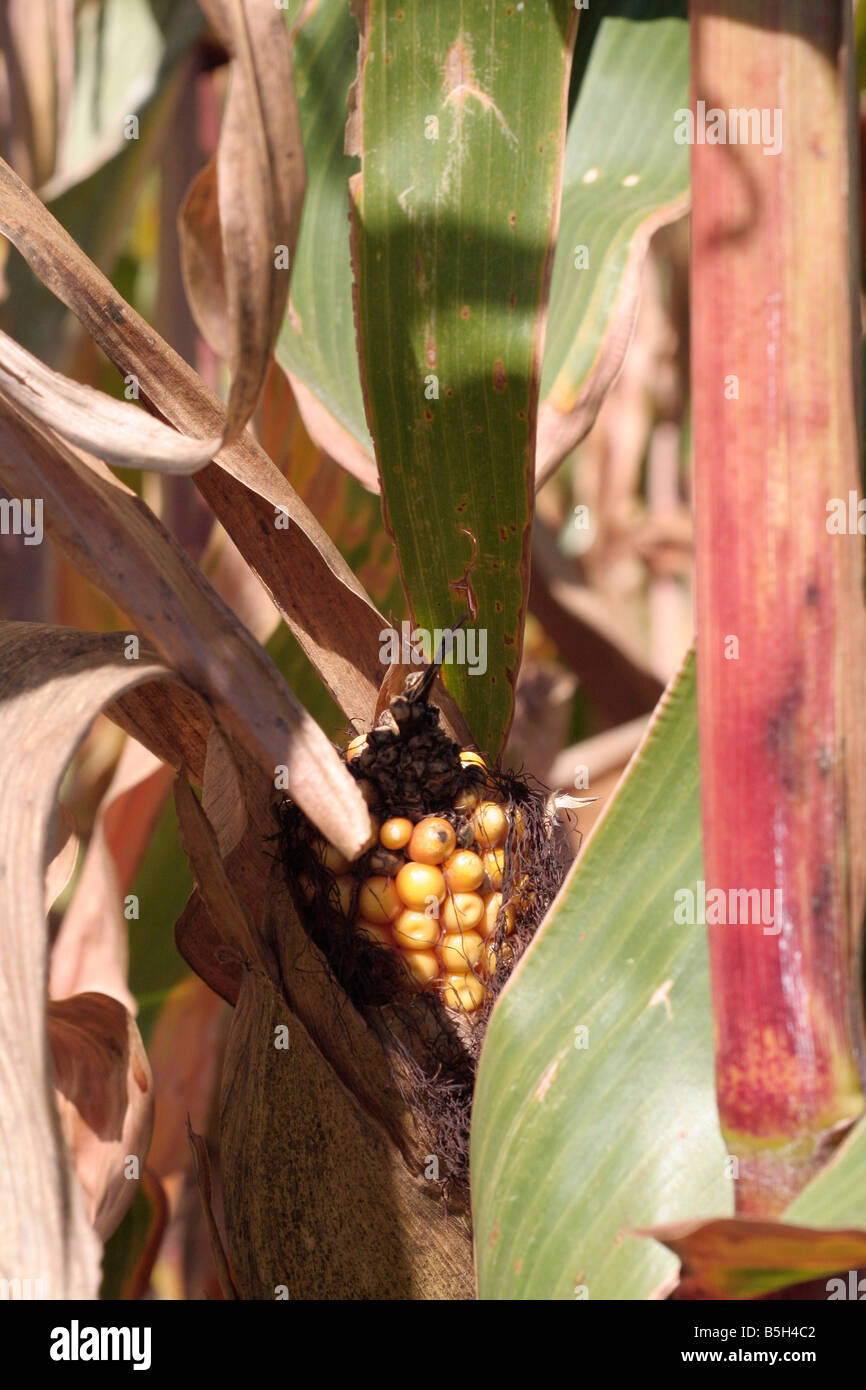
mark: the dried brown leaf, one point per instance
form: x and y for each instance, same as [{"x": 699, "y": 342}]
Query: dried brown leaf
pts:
[
  {"x": 326, "y": 608},
  {"x": 53, "y": 684},
  {"x": 222, "y": 793},
  {"x": 185, "y": 1052},
  {"x": 560, "y": 430},
  {"x": 64, "y": 858},
  {"x": 91, "y": 951},
  {"x": 105, "y": 1097},
  {"x": 116, "y": 431},
  {"x": 224, "y": 907},
  {"x": 168, "y": 719},
  {"x": 204, "y": 950},
  {"x": 201, "y": 1165},
  {"x": 258, "y": 182},
  {"x": 150, "y": 576},
  {"x": 334, "y": 438},
  {"x": 201, "y": 256},
  {"x": 740, "y": 1257},
  {"x": 36, "y": 40}
]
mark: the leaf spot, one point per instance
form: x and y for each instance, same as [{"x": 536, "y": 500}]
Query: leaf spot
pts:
[
  {"x": 546, "y": 1081},
  {"x": 462, "y": 86},
  {"x": 463, "y": 586},
  {"x": 661, "y": 996}
]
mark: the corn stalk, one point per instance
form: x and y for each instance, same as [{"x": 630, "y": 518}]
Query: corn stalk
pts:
[{"x": 781, "y": 651}]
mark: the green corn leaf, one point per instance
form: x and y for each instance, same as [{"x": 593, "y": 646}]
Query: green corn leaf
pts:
[
  {"x": 624, "y": 177},
  {"x": 579, "y": 1137},
  {"x": 317, "y": 343},
  {"x": 459, "y": 127}
]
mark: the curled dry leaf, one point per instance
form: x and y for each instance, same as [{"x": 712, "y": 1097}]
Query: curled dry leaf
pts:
[
  {"x": 331, "y": 436},
  {"x": 741, "y": 1257},
  {"x": 54, "y": 683},
  {"x": 64, "y": 858},
  {"x": 170, "y": 720},
  {"x": 224, "y": 907},
  {"x": 37, "y": 42},
  {"x": 185, "y": 1049},
  {"x": 261, "y": 181},
  {"x": 326, "y": 608},
  {"x": 203, "y": 948},
  {"x": 569, "y": 411},
  {"x": 258, "y": 182},
  {"x": 201, "y": 258},
  {"x": 154, "y": 581},
  {"x": 104, "y": 1092},
  {"x": 91, "y": 949},
  {"x": 116, "y": 431},
  {"x": 223, "y": 793},
  {"x": 201, "y": 1165}
]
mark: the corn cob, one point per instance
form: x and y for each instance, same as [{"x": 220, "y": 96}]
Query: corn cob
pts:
[
  {"x": 439, "y": 907},
  {"x": 447, "y": 884}
]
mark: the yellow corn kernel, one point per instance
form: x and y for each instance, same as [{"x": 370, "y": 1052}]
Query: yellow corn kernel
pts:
[
  {"x": 395, "y": 833},
  {"x": 421, "y": 966},
  {"x": 494, "y": 867},
  {"x": 523, "y": 894},
  {"x": 468, "y": 800},
  {"x": 355, "y": 747},
  {"x": 492, "y": 904},
  {"x": 463, "y": 993},
  {"x": 415, "y": 931},
  {"x": 491, "y": 957},
  {"x": 418, "y": 883},
  {"x": 469, "y": 758},
  {"x": 433, "y": 840},
  {"x": 460, "y": 951},
  {"x": 487, "y": 963},
  {"x": 378, "y": 900},
  {"x": 462, "y": 911},
  {"x": 464, "y": 871},
  {"x": 490, "y": 824}
]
